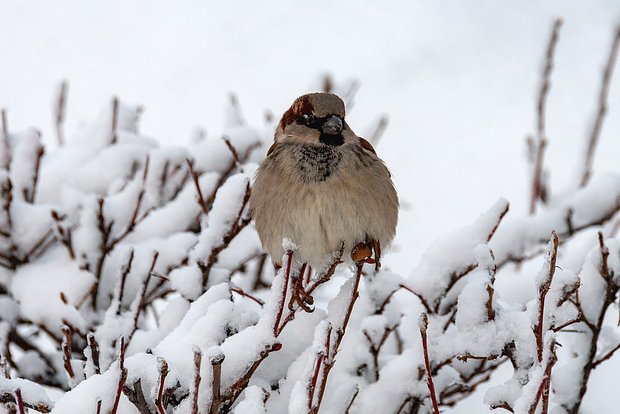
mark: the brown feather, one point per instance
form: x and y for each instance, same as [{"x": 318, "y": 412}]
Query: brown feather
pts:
[
  {"x": 301, "y": 106},
  {"x": 367, "y": 145},
  {"x": 271, "y": 149}
]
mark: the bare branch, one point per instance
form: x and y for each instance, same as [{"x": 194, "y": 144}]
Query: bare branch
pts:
[
  {"x": 216, "y": 365},
  {"x": 122, "y": 377},
  {"x": 537, "y": 176},
  {"x": 66, "y": 355},
  {"x": 20, "y": 401},
  {"x": 93, "y": 347},
  {"x": 162, "y": 368},
  {"x": 543, "y": 288},
  {"x": 114, "y": 125},
  {"x": 195, "y": 176},
  {"x": 59, "y": 112},
  {"x": 423, "y": 324},
  {"x": 602, "y": 109},
  {"x": 606, "y": 356},
  {"x": 379, "y": 130},
  {"x": 197, "y": 379}
]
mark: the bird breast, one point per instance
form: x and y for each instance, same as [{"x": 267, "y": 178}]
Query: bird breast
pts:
[
  {"x": 320, "y": 196},
  {"x": 316, "y": 162}
]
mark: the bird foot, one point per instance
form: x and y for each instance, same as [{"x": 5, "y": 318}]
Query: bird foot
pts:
[
  {"x": 363, "y": 253},
  {"x": 299, "y": 295}
]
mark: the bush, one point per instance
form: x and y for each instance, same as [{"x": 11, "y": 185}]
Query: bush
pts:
[{"x": 132, "y": 281}]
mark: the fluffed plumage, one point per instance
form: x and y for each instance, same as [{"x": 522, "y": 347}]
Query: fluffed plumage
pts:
[{"x": 321, "y": 185}]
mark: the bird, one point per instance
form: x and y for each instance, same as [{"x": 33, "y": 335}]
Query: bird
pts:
[{"x": 322, "y": 187}]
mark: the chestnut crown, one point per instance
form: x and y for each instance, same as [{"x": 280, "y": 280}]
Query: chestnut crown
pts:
[{"x": 322, "y": 111}]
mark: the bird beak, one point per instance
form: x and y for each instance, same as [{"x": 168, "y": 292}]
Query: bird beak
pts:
[{"x": 332, "y": 126}]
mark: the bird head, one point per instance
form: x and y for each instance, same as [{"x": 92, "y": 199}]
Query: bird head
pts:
[{"x": 315, "y": 118}]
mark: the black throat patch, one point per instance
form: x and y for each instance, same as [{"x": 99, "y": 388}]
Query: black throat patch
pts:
[
  {"x": 317, "y": 162},
  {"x": 333, "y": 140}
]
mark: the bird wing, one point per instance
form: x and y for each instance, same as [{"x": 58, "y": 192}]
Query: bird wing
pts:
[
  {"x": 271, "y": 149},
  {"x": 366, "y": 145}
]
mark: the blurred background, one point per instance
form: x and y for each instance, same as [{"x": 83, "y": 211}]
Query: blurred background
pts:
[{"x": 457, "y": 80}]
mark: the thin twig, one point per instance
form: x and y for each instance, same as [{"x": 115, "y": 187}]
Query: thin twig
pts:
[
  {"x": 314, "y": 284},
  {"x": 537, "y": 178},
  {"x": 247, "y": 295},
  {"x": 195, "y": 177},
  {"x": 423, "y": 324},
  {"x": 20, "y": 401},
  {"x": 543, "y": 288},
  {"x": 114, "y": 125},
  {"x": 422, "y": 300},
  {"x": 93, "y": 347},
  {"x": 379, "y": 130},
  {"x": 162, "y": 368},
  {"x": 238, "y": 224},
  {"x": 143, "y": 290},
  {"x": 5, "y": 140},
  {"x": 602, "y": 109},
  {"x": 322, "y": 357},
  {"x": 287, "y": 274},
  {"x": 330, "y": 356},
  {"x": 231, "y": 395},
  {"x": 606, "y": 356},
  {"x": 125, "y": 269},
  {"x": 66, "y": 355},
  {"x": 216, "y": 365},
  {"x": 197, "y": 379},
  {"x": 61, "y": 104},
  {"x": 543, "y": 389},
  {"x": 609, "y": 296},
  {"x": 122, "y": 377}
]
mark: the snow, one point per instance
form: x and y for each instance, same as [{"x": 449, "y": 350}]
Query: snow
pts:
[
  {"x": 226, "y": 210},
  {"x": 458, "y": 112},
  {"x": 37, "y": 288},
  {"x": 86, "y": 394},
  {"x": 172, "y": 314},
  {"x": 31, "y": 392},
  {"x": 454, "y": 252},
  {"x": 187, "y": 280},
  {"x": 253, "y": 402}
]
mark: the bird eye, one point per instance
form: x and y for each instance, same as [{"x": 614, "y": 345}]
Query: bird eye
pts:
[{"x": 309, "y": 119}]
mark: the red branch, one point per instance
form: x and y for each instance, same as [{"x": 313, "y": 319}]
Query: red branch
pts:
[
  {"x": 20, "y": 401},
  {"x": 602, "y": 109},
  {"x": 330, "y": 356},
  {"x": 195, "y": 177},
  {"x": 163, "y": 372},
  {"x": 287, "y": 274},
  {"x": 313, "y": 285},
  {"x": 321, "y": 357},
  {"x": 197, "y": 379},
  {"x": 123, "y": 376},
  {"x": 543, "y": 389},
  {"x": 66, "y": 354},
  {"x": 93, "y": 346},
  {"x": 542, "y": 293},
  {"x": 537, "y": 184},
  {"x": 427, "y": 365},
  {"x": 216, "y": 366},
  {"x": 247, "y": 295}
]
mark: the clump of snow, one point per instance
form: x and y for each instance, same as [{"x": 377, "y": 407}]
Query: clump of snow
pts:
[
  {"x": 454, "y": 253},
  {"x": 113, "y": 243}
]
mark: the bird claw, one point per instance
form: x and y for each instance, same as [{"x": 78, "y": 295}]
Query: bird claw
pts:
[
  {"x": 299, "y": 295},
  {"x": 363, "y": 253}
]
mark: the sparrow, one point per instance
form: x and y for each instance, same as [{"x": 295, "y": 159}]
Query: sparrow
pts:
[{"x": 322, "y": 187}]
